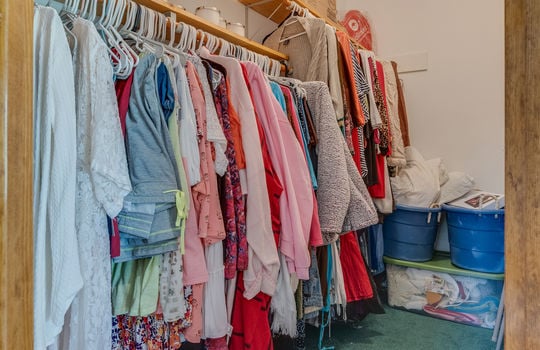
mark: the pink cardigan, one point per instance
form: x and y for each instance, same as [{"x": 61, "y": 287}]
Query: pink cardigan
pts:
[
  {"x": 296, "y": 203},
  {"x": 263, "y": 265}
]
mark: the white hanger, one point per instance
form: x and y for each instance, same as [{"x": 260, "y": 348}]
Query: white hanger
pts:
[
  {"x": 277, "y": 68},
  {"x": 225, "y": 47},
  {"x": 106, "y": 12},
  {"x": 180, "y": 30},
  {"x": 172, "y": 33},
  {"x": 93, "y": 12},
  {"x": 117, "y": 20},
  {"x": 202, "y": 37},
  {"x": 193, "y": 39},
  {"x": 131, "y": 11},
  {"x": 211, "y": 43},
  {"x": 288, "y": 22}
]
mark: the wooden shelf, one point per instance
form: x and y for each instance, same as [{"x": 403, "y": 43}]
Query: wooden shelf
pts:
[
  {"x": 197, "y": 22},
  {"x": 279, "y": 11}
]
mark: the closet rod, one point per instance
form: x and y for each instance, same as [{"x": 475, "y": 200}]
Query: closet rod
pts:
[{"x": 197, "y": 22}]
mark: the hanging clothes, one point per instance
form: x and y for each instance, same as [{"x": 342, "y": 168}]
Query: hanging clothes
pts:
[
  {"x": 171, "y": 294},
  {"x": 397, "y": 158},
  {"x": 103, "y": 182},
  {"x": 57, "y": 271},
  {"x": 232, "y": 200},
  {"x": 263, "y": 265},
  {"x": 150, "y": 222},
  {"x": 350, "y": 66},
  {"x": 344, "y": 203},
  {"x": 205, "y": 194},
  {"x": 304, "y": 41},
  {"x": 355, "y": 275},
  {"x": 402, "y": 109},
  {"x": 251, "y": 329},
  {"x": 334, "y": 84},
  {"x": 296, "y": 204}
]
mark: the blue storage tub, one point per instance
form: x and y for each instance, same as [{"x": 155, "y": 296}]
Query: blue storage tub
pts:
[
  {"x": 410, "y": 232},
  {"x": 476, "y": 238}
]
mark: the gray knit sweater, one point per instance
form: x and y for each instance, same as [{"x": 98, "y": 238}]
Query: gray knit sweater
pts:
[{"x": 344, "y": 202}]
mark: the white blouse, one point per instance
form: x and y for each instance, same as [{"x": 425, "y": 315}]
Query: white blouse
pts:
[{"x": 57, "y": 274}]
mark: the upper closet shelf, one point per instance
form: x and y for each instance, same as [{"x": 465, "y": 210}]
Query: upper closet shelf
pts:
[
  {"x": 279, "y": 10},
  {"x": 197, "y": 22}
]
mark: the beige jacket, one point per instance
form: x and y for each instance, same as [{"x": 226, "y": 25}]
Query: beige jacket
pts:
[{"x": 307, "y": 47}]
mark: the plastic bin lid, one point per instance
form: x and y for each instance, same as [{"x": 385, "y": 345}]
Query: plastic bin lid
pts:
[
  {"x": 441, "y": 263},
  {"x": 418, "y": 209},
  {"x": 453, "y": 208}
]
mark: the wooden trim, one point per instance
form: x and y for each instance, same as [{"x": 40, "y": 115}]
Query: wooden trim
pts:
[
  {"x": 522, "y": 230},
  {"x": 16, "y": 235}
]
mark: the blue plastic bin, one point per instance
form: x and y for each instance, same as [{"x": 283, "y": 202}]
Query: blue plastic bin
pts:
[
  {"x": 476, "y": 238},
  {"x": 410, "y": 232}
]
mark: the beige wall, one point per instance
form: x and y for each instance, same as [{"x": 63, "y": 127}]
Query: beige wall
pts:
[{"x": 456, "y": 106}]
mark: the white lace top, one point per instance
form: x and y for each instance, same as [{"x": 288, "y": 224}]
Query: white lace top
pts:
[{"x": 102, "y": 182}]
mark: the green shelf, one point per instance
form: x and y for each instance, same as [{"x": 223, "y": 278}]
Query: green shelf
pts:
[{"x": 441, "y": 263}]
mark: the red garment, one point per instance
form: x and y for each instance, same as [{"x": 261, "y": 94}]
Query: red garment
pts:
[
  {"x": 217, "y": 344},
  {"x": 355, "y": 275},
  {"x": 357, "y": 150},
  {"x": 123, "y": 91},
  {"x": 379, "y": 190},
  {"x": 274, "y": 187},
  {"x": 251, "y": 328}
]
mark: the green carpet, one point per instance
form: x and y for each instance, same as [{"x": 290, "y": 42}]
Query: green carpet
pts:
[{"x": 400, "y": 330}]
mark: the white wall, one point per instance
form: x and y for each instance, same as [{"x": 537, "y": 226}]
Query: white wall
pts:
[
  {"x": 456, "y": 106},
  {"x": 257, "y": 26}
]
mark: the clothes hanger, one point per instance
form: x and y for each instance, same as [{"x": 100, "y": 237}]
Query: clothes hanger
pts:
[
  {"x": 172, "y": 37},
  {"x": 277, "y": 69},
  {"x": 193, "y": 39},
  {"x": 210, "y": 43},
  {"x": 127, "y": 12},
  {"x": 202, "y": 37},
  {"x": 130, "y": 55},
  {"x": 224, "y": 47},
  {"x": 90, "y": 12},
  {"x": 122, "y": 59}
]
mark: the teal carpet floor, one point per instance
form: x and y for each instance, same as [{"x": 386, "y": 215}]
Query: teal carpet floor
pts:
[{"x": 399, "y": 330}]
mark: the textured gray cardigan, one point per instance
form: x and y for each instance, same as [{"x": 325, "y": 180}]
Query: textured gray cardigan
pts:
[{"x": 344, "y": 202}]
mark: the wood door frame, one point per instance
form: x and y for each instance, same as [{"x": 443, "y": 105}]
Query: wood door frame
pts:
[
  {"x": 522, "y": 164},
  {"x": 522, "y": 159},
  {"x": 16, "y": 142}
]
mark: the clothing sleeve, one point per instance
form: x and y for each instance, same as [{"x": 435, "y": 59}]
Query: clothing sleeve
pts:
[
  {"x": 109, "y": 171},
  {"x": 188, "y": 129}
]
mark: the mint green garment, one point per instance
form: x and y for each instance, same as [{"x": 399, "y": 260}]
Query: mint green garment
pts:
[{"x": 135, "y": 286}]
